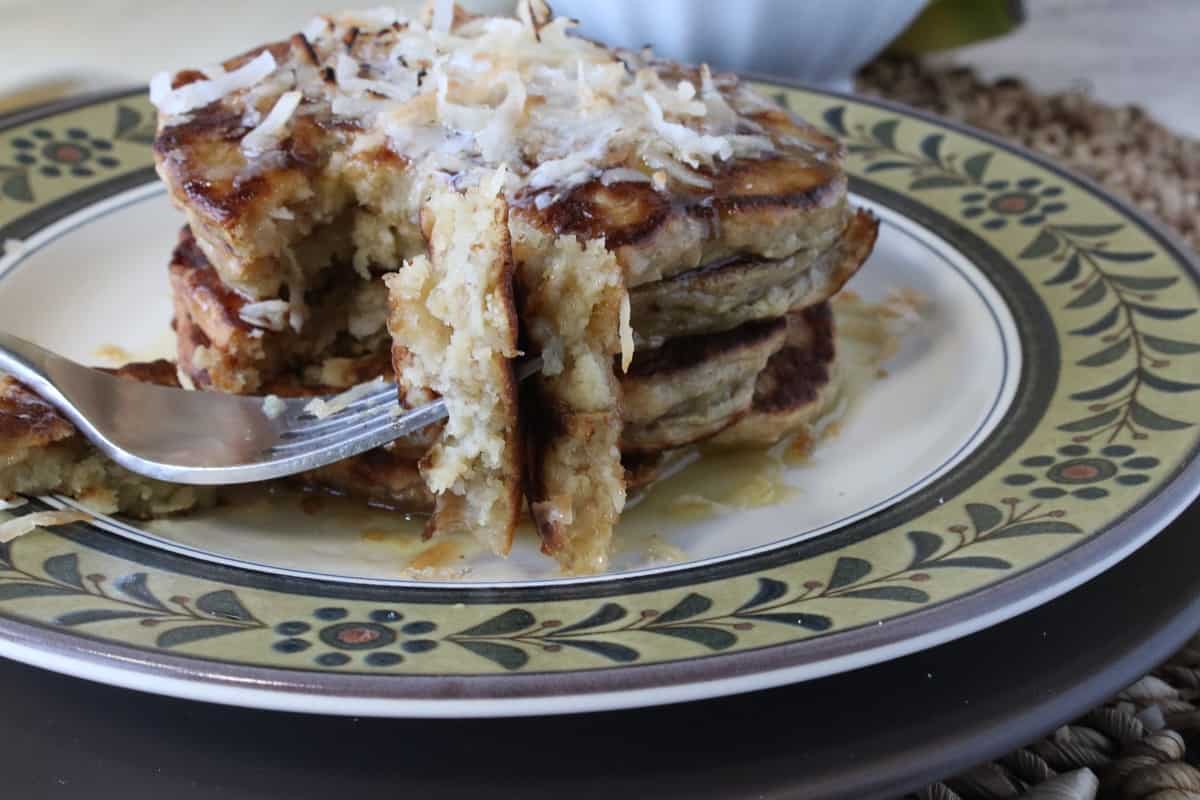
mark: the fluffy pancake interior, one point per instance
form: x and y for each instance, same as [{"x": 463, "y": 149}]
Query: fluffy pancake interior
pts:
[
  {"x": 228, "y": 349},
  {"x": 574, "y": 308},
  {"x": 455, "y": 331}
]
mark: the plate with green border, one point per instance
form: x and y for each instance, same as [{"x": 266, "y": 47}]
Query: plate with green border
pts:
[{"x": 1039, "y": 428}]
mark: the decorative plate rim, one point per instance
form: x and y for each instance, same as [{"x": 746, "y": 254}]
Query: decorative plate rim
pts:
[{"x": 709, "y": 675}]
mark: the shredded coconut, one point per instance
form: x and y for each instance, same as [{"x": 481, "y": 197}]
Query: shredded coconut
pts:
[
  {"x": 347, "y": 75},
  {"x": 691, "y": 147},
  {"x": 271, "y": 129},
  {"x": 623, "y": 175},
  {"x": 321, "y": 408},
  {"x": 626, "y": 331},
  {"x": 315, "y": 27},
  {"x": 200, "y": 93},
  {"x": 39, "y": 519},
  {"x": 460, "y": 93},
  {"x": 273, "y": 406},
  {"x": 271, "y": 315}
]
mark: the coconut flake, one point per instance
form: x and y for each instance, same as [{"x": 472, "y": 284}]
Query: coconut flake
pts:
[
  {"x": 690, "y": 147},
  {"x": 496, "y": 141},
  {"x": 270, "y": 131},
  {"x": 321, "y": 408},
  {"x": 719, "y": 112},
  {"x": 271, "y": 315},
  {"x": 273, "y": 406},
  {"x": 201, "y": 93},
  {"x": 454, "y": 115},
  {"x": 626, "y": 332},
  {"x": 39, "y": 519},
  {"x": 623, "y": 175},
  {"x": 577, "y": 166},
  {"x": 316, "y": 28},
  {"x": 160, "y": 87},
  {"x": 344, "y": 105},
  {"x": 346, "y": 72},
  {"x": 667, "y": 166}
]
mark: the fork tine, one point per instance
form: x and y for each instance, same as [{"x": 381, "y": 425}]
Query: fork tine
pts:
[
  {"x": 384, "y": 394},
  {"x": 380, "y": 433},
  {"x": 377, "y": 430},
  {"x": 375, "y": 422},
  {"x": 381, "y": 428},
  {"x": 347, "y": 426},
  {"x": 306, "y": 423}
]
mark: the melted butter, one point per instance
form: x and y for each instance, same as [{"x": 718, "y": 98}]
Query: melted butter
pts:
[
  {"x": 763, "y": 486},
  {"x": 440, "y": 554},
  {"x": 323, "y": 519},
  {"x": 799, "y": 449},
  {"x": 111, "y": 355},
  {"x": 659, "y": 550},
  {"x": 712, "y": 483},
  {"x": 715, "y": 483}
]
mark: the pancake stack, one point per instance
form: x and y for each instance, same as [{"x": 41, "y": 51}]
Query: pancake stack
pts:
[{"x": 433, "y": 199}]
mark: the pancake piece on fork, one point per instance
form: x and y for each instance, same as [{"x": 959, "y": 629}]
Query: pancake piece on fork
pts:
[{"x": 454, "y": 323}]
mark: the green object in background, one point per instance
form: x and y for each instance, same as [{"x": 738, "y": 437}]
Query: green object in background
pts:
[{"x": 945, "y": 24}]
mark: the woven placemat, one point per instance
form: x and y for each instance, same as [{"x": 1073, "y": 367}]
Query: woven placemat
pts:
[{"x": 1134, "y": 747}]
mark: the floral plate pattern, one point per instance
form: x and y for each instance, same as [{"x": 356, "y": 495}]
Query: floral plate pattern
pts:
[{"x": 1097, "y": 453}]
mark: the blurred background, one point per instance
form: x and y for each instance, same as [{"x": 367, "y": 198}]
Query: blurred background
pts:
[{"x": 1122, "y": 51}]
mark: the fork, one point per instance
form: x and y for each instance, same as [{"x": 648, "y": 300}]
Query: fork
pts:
[{"x": 210, "y": 438}]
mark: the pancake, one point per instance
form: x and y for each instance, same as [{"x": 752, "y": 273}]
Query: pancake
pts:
[
  {"x": 454, "y": 323},
  {"x": 691, "y": 387},
  {"x": 574, "y": 309},
  {"x": 728, "y": 293},
  {"x": 796, "y": 386},
  {"x": 312, "y": 171},
  {"x": 239, "y": 355},
  {"x": 301, "y": 153},
  {"x": 41, "y": 452}
]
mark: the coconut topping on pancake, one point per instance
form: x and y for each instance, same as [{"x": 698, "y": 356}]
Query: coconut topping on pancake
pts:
[{"x": 512, "y": 190}]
